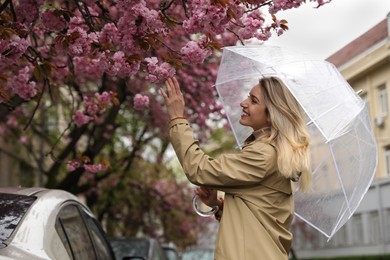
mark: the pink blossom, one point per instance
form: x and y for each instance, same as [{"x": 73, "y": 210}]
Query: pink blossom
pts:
[
  {"x": 23, "y": 140},
  {"x": 140, "y": 102},
  {"x": 81, "y": 44},
  {"x": 80, "y": 118},
  {"x": 14, "y": 48},
  {"x": 95, "y": 167},
  {"x": 151, "y": 19},
  {"x": 88, "y": 68},
  {"x": 94, "y": 108},
  {"x": 120, "y": 67},
  {"x": 12, "y": 122},
  {"x": 126, "y": 24},
  {"x": 157, "y": 72},
  {"x": 109, "y": 34},
  {"x": 53, "y": 21},
  {"x": 72, "y": 165},
  {"x": 126, "y": 4},
  {"x": 27, "y": 10},
  {"x": 193, "y": 53},
  {"x": 104, "y": 98},
  {"x": 21, "y": 84},
  {"x": 77, "y": 22}
]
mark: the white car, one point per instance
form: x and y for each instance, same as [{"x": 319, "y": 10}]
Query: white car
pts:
[{"x": 39, "y": 223}]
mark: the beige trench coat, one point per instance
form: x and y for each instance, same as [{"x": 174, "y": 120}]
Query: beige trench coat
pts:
[{"x": 258, "y": 206}]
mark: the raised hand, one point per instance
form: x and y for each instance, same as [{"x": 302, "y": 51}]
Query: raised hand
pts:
[{"x": 174, "y": 99}]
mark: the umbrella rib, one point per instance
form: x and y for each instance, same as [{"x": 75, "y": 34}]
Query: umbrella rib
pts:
[
  {"x": 340, "y": 180},
  {"x": 341, "y": 221},
  {"x": 228, "y": 118},
  {"x": 312, "y": 225},
  {"x": 328, "y": 139},
  {"x": 247, "y": 76}
]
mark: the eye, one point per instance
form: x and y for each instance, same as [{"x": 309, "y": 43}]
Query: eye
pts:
[{"x": 253, "y": 99}]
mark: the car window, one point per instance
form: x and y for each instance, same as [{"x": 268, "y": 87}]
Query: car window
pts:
[
  {"x": 158, "y": 252},
  {"x": 130, "y": 247},
  {"x": 73, "y": 232},
  {"x": 12, "y": 209},
  {"x": 101, "y": 244},
  {"x": 171, "y": 253}
]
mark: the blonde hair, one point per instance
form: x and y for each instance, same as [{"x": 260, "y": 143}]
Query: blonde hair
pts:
[{"x": 288, "y": 131}]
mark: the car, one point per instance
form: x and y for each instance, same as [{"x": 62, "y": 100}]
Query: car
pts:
[
  {"x": 40, "y": 223},
  {"x": 198, "y": 253},
  {"x": 137, "y": 248},
  {"x": 170, "y": 252}
]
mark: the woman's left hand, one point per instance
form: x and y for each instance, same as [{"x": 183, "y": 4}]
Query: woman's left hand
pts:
[
  {"x": 174, "y": 99},
  {"x": 208, "y": 196}
]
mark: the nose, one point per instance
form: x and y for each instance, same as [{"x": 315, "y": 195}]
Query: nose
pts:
[{"x": 243, "y": 103}]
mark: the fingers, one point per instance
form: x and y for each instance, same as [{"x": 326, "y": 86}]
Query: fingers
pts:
[
  {"x": 204, "y": 192},
  {"x": 173, "y": 87},
  {"x": 176, "y": 86},
  {"x": 170, "y": 87},
  {"x": 163, "y": 94}
]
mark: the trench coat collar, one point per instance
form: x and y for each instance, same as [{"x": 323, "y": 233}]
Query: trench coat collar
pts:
[{"x": 256, "y": 134}]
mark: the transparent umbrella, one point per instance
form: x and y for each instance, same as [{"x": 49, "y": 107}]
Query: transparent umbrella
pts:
[{"x": 342, "y": 145}]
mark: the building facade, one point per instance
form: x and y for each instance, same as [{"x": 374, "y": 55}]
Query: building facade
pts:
[{"x": 365, "y": 64}]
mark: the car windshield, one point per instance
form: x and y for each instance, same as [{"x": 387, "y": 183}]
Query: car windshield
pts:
[
  {"x": 12, "y": 209},
  {"x": 130, "y": 247}
]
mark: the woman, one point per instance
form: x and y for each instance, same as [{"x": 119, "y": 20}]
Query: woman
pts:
[{"x": 258, "y": 204}]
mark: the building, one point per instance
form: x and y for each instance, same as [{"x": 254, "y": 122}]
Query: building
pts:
[{"x": 365, "y": 64}]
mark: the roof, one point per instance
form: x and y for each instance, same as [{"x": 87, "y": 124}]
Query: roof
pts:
[{"x": 376, "y": 34}]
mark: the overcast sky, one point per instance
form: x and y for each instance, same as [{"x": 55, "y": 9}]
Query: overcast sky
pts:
[{"x": 323, "y": 31}]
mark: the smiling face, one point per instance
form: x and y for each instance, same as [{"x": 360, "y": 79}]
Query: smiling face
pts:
[{"x": 254, "y": 112}]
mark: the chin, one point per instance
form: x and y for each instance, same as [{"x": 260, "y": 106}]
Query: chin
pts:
[{"x": 242, "y": 122}]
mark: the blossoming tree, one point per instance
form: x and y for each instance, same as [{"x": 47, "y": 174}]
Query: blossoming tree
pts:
[{"x": 79, "y": 84}]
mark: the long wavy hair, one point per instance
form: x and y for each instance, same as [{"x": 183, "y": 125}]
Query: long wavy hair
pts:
[{"x": 288, "y": 131}]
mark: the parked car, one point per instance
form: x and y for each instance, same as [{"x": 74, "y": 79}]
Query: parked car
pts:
[
  {"x": 198, "y": 253},
  {"x": 39, "y": 223},
  {"x": 137, "y": 248},
  {"x": 170, "y": 252}
]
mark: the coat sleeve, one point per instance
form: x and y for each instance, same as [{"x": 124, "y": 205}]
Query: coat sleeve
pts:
[{"x": 247, "y": 167}]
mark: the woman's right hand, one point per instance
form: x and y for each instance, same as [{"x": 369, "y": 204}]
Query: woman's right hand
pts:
[
  {"x": 208, "y": 196},
  {"x": 173, "y": 98}
]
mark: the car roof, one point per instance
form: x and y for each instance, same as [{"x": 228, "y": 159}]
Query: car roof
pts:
[
  {"x": 60, "y": 195},
  {"x": 32, "y": 191},
  {"x": 21, "y": 190}
]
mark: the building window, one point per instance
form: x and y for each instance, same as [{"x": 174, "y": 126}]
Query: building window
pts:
[
  {"x": 382, "y": 97},
  {"x": 386, "y": 226},
  {"x": 374, "y": 232},
  {"x": 357, "y": 229},
  {"x": 387, "y": 161}
]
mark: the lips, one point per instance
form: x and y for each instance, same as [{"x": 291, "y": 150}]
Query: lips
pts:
[{"x": 244, "y": 113}]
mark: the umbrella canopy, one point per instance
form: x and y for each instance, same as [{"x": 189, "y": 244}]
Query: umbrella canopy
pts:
[{"x": 342, "y": 145}]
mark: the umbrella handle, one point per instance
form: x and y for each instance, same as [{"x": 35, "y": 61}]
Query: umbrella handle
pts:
[{"x": 201, "y": 213}]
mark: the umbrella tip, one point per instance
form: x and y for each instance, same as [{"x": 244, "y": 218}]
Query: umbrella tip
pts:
[{"x": 359, "y": 92}]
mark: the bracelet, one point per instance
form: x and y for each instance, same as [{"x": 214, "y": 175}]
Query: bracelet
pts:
[{"x": 179, "y": 117}]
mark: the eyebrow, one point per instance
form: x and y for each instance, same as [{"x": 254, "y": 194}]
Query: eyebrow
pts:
[{"x": 253, "y": 96}]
